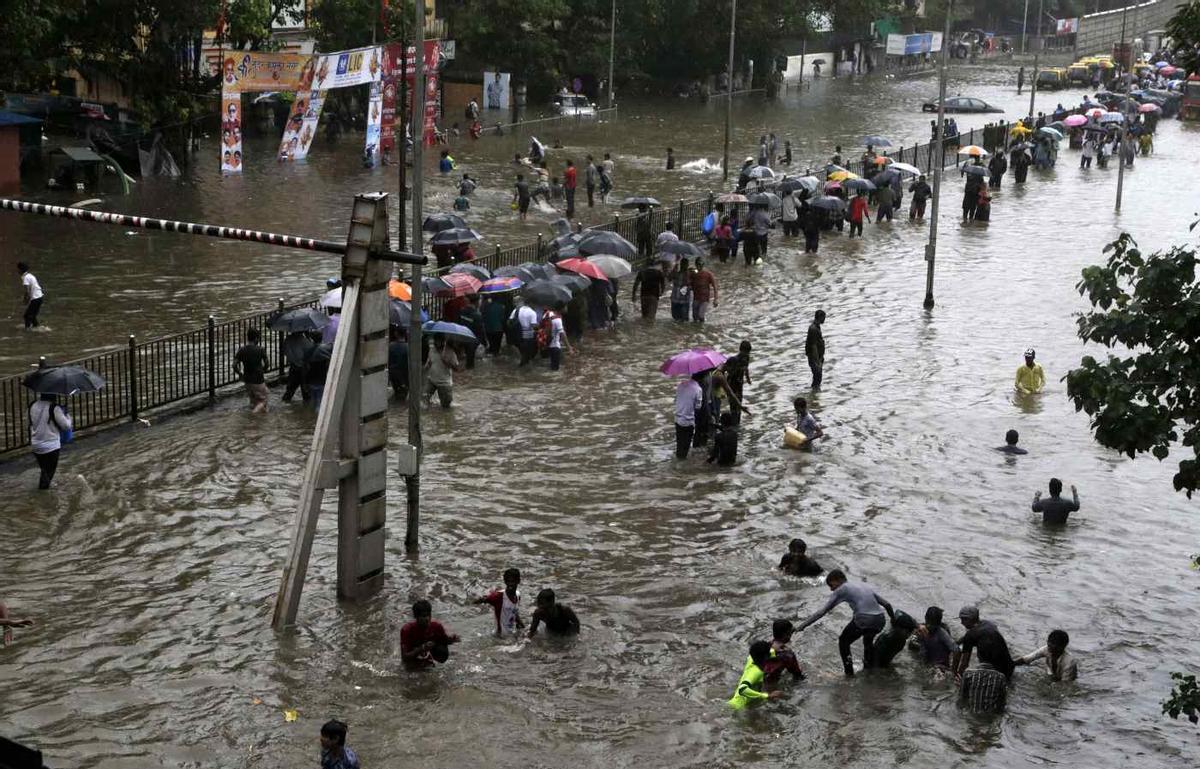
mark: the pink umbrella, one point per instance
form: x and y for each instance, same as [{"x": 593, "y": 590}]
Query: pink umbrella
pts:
[
  {"x": 692, "y": 362},
  {"x": 832, "y": 186},
  {"x": 1149, "y": 107},
  {"x": 1075, "y": 121},
  {"x": 582, "y": 267},
  {"x": 458, "y": 284},
  {"x": 1168, "y": 70}
]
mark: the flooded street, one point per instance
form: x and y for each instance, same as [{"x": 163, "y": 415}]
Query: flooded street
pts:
[{"x": 151, "y": 568}]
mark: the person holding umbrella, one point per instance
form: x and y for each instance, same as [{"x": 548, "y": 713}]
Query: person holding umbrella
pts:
[
  {"x": 47, "y": 423},
  {"x": 439, "y": 372}
]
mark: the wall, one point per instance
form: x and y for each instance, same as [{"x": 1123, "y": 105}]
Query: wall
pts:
[
  {"x": 1098, "y": 31},
  {"x": 10, "y": 160}
]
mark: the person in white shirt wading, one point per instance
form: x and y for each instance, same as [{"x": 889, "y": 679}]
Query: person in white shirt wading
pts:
[
  {"x": 32, "y": 298},
  {"x": 47, "y": 422}
]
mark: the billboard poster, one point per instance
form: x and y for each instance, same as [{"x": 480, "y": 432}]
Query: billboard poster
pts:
[
  {"x": 1066, "y": 27},
  {"x": 433, "y": 106},
  {"x": 249, "y": 71},
  {"x": 387, "y": 124},
  {"x": 495, "y": 90},
  {"x": 301, "y": 126},
  {"x": 231, "y": 130},
  {"x": 346, "y": 68},
  {"x": 374, "y": 124}
]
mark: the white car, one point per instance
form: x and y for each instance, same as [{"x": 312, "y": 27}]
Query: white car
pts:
[{"x": 574, "y": 104}]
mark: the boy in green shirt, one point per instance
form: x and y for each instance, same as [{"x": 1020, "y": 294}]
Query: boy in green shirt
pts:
[{"x": 750, "y": 686}]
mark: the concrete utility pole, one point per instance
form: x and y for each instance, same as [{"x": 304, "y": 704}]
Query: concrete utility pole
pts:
[
  {"x": 1036, "y": 56},
  {"x": 931, "y": 248},
  {"x": 612, "y": 47},
  {"x": 410, "y": 466},
  {"x": 1125, "y": 113},
  {"x": 1024, "y": 25},
  {"x": 729, "y": 90}
]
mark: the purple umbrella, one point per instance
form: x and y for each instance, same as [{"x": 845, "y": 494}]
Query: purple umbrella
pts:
[{"x": 692, "y": 362}]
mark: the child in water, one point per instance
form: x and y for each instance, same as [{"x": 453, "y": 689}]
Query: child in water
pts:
[
  {"x": 750, "y": 687},
  {"x": 797, "y": 563},
  {"x": 782, "y": 657},
  {"x": 506, "y": 604},
  {"x": 725, "y": 443}
]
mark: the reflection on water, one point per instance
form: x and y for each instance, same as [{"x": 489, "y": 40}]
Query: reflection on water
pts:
[{"x": 151, "y": 567}]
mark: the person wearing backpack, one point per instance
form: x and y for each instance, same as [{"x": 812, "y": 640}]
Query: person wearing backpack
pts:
[{"x": 48, "y": 421}]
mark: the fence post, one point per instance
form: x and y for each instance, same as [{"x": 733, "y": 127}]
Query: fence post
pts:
[
  {"x": 539, "y": 247},
  {"x": 497, "y": 264},
  {"x": 212, "y": 358},
  {"x": 279, "y": 338},
  {"x": 133, "y": 379},
  {"x": 679, "y": 221},
  {"x": 712, "y": 201}
]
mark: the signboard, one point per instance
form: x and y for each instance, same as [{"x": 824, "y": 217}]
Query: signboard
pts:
[
  {"x": 448, "y": 48},
  {"x": 374, "y": 124},
  {"x": 249, "y": 71},
  {"x": 231, "y": 130},
  {"x": 392, "y": 70},
  {"x": 1066, "y": 27},
  {"x": 495, "y": 90},
  {"x": 346, "y": 68},
  {"x": 914, "y": 45},
  {"x": 301, "y": 127}
]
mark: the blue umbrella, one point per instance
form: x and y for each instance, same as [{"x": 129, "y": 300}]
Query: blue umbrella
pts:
[
  {"x": 460, "y": 332},
  {"x": 400, "y": 313},
  {"x": 874, "y": 141},
  {"x": 1161, "y": 64}
]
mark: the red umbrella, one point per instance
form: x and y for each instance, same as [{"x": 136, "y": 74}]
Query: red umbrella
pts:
[
  {"x": 458, "y": 284},
  {"x": 582, "y": 267}
]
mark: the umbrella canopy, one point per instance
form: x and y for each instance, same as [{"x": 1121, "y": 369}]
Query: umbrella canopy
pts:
[
  {"x": 561, "y": 226},
  {"x": 546, "y": 293},
  {"x": 612, "y": 266},
  {"x": 399, "y": 290},
  {"x": 454, "y": 330},
  {"x": 832, "y": 186},
  {"x": 979, "y": 171},
  {"x": 400, "y": 313},
  {"x": 527, "y": 272},
  {"x": 905, "y": 168},
  {"x": 807, "y": 183},
  {"x": 679, "y": 248},
  {"x": 974, "y": 150},
  {"x": 1161, "y": 64},
  {"x": 1026, "y": 146},
  {"x": 1149, "y": 107},
  {"x": 332, "y": 298},
  {"x": 500, "y": 285},
  {"x": 605, "y": 242},
  {"x": 439, "y": 222},
  {"x": 453, "y": 284},
  {"x": 637, "y": 201},
  {"x": 565, "y": 246},
  {"x": 1111, "y": 117},
  {"x": 1074, "y": 121},
  {"x": 828, "y": 203},
  {"x": 885, "y": 177},
  {"x": 302, "y": 319},
  {"x": 582, "y": 267},
  {"x": 63, "y": 380},
  {"x": 765, "y": 199},
  {"x": 1051, "y": 132},
  {"x": 761, "y": 172},
  {"x": 1168, "y": 70},
  {"x": 731, "y": 197},
  {"x": 858, "y": 185},
  {"x": 1096, "y": 113},
  {"x": 841, "y": 176},
  {"x": 477, "y": 271},
  {"x": 455, "y": 236},
  {"x": 573, "y": 281},
  {"x": 882, "y": 160},
  {"x": 831, "y": 169},
  {"x": 874, "y": 141},
  {"x": 692, "y": 361}
]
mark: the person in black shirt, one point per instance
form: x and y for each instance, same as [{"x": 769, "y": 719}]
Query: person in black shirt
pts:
[
  {"x": 725, "y": 442},
  {"x": 984, "y": 636},
  {"x": 1010, "y": 444},
  {"x": 737, "y": 374},
  {"x": 521, "y": 196},
  {"x": 645, "y": 235},
  {"x": 797, "y": 563},
  {"x": 651, "y": 281},
  {"x": 560, "y": 620},
  {"x": 891, "y": 642},
  {"x": 1055, "y": 509},
  {"x": 921, "y": 192},
  {"x": 249, "y": 365},
  {"x": 814, "y": 348}
]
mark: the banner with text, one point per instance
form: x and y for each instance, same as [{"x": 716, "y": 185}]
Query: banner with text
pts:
[
  {"x": 231, "y": 130},
  {"x": 346, "y": 68},
  {"x": 912, "y": 45},
  {"x": 301, "y": 126}
]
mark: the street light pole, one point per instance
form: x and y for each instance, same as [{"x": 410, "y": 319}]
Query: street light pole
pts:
[
  {"x": 1125, "y": 112},
  {"x": 931, "y": 247},
  {"x": 417, "y": 129},
  {"x": 729, "y": 90},
  {"x": 1036, "y": 56},
  {"x": 612, "y": 47},
  {"x": 1024, "y": 25}
]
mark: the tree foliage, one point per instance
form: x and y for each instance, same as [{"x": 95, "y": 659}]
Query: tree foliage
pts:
[
  {"x": 1148, "y": 399},
  {"x": 1184, "y": 30},
  {"x": 1184, "y": 699}
]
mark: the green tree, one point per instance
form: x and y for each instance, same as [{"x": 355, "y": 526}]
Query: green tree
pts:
[
  {"x": 1184, "y": 699},
  {"x": 250, "y": 21},
  {"x": 518, "y": 36},
  {"x": 1148, "y": 399},
  {"x": 1184, "y": 31},
  {"x": 33, "y": 42}
]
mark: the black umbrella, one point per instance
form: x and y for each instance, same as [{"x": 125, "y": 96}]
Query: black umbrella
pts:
[
  {"x": 400, "y": 313},
  {"x": 806, "y": 183},
  {"x": 474, "y": 270},
  {"x": 564, "y": 247},
  {"x": 638, "y": 201},
  {"x": 761, "y": 199},
  {"x": 605, "y": 242},
  {"x": 560, "y": 226},
  {"x": 63, "y": 380},
  {"x": 302, "y": 319},
  {"x": 439, "y": 222},
  {"x": 322, "y": 353},
  {"x": 972, "y": 170},
  {"x": 883, "y": 178},
  {"x": 455, "y": 236},
  {"x": 680, "y": 248},
  {"x": 572, "y": 280},
  {"x": 859, "y": 185},
  {"x": 828, "y": 203},
  {"x": 546, "y": 293}
]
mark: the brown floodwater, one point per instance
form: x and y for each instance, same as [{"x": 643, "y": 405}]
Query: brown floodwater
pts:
[{"x": 151, "y": 567}]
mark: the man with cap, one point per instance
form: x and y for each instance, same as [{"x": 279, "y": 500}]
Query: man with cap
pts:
[
  {"x": 1030, "y": 377},
  {"x": 983, "y": 689}
]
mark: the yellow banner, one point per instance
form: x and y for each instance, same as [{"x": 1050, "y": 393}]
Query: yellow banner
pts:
[{"x": 249, "y": 71}]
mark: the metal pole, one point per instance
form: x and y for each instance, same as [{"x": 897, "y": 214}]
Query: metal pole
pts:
[
  {"x": 399, "y": 142},
  {"x": 1124, "y": 111},
  {"x": 1024, "y": 25},
  {"x": 729, "y": 90},
  {"x": 413, "y": 482},
  {"x": 612, "y": 47},
  {"x": 931, "y": 248},
  {"x": 1036, "y": 57}
]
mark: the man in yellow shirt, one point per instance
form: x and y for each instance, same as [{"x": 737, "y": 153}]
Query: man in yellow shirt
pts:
[
  {"x": 1030, "y": 377},
  {"x": 750, "y": 686}
]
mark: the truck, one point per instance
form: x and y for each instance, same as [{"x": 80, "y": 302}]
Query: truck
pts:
[{"x": 1190, "y": 109}]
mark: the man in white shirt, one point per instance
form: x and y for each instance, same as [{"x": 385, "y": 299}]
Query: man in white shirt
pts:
[
  {"x": 557, "y": 337},
  {"x": 666, "y": 236},
  {"x": 689, "y": 398},
  {"x": 1060, "y": 665},
  {"x": 527, "y": 320},
  {"x": 32, "y": 295}
]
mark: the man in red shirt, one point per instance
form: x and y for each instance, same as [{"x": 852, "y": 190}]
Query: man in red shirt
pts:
[
  {"x": 704, "y": 287},
  {"x": 858, "y": 210},
  {"x": 569, "y": 187},
  {"x": 424, "y": 641}
]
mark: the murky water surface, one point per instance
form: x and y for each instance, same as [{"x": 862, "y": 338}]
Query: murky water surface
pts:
[{"x": 152, "y": 567}]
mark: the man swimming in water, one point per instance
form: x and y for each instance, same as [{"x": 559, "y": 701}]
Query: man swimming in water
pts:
[
  {"x": 560, "y": 619},
  {"x": 1010, "y": 444},
  {"x": 797, "y": 563},
  {"x": 1055, "y": 509},
  {"x": 866, "y": 623}
]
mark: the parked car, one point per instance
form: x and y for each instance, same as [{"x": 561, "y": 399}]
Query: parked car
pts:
[
  {"x": 574, "y": 104},
  {"x": 960, "y": 104}
]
